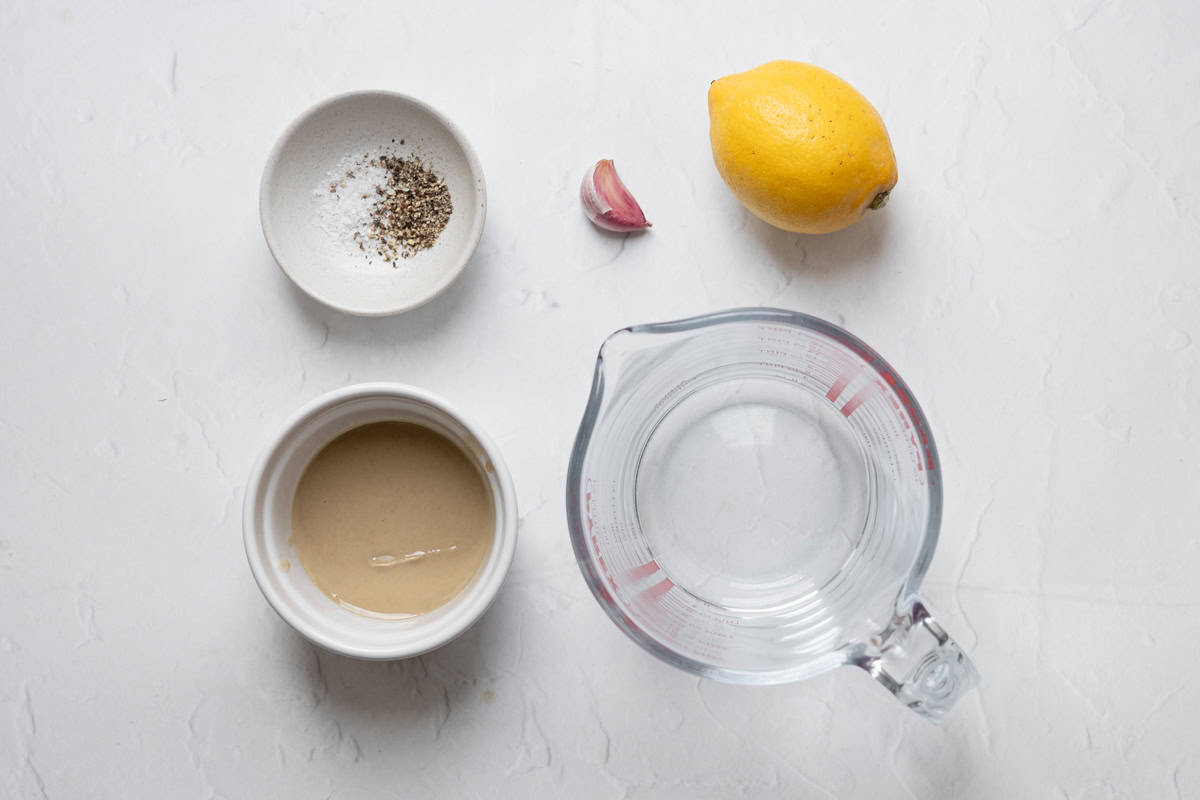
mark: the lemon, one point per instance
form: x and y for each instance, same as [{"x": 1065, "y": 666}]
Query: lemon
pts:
[{"x": 800, "y": 147}]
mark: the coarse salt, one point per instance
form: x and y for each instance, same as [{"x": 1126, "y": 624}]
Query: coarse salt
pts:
[{"x": 344, "y": 204}]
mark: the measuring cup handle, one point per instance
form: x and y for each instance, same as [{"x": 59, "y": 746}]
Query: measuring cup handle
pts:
[{"x": 917, "y": 661}]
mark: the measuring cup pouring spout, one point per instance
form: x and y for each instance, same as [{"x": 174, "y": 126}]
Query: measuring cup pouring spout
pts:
[{"x": 754, "y": 496}]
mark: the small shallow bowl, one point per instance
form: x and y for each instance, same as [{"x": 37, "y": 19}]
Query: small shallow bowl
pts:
[
  {"x": 266, "y": 523},
  {"x": 309, "y": 236}
]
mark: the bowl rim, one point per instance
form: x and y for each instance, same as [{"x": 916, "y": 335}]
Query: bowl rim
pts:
[
  {"x": 473, "y": 164},
  {"x": 494, "y": 569}
]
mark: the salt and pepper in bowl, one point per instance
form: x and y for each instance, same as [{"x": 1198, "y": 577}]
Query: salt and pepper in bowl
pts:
[{"x": 372, "y": 202}]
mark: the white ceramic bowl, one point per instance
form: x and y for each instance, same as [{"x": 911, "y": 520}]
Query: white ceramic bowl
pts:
[
  {"x": 308, "y": 237},
  {"x": 266, "y": 523}
]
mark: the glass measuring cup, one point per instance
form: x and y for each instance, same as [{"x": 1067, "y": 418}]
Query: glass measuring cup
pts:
[{"x": 754, "y": 496}]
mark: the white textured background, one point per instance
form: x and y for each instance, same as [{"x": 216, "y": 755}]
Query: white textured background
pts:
[{"x": 1034, "y": 278}]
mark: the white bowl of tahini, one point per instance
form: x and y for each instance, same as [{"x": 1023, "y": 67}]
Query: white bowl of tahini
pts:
[{"x": 295, "y": 581}]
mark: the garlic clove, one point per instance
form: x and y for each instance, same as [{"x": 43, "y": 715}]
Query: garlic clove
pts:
[{"x": 606, "y": 201}]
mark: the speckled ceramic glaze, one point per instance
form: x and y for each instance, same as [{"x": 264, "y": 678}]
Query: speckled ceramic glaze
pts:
[{"x": 297, "y": 177}]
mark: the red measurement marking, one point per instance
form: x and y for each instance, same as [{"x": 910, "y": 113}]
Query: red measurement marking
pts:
[
  {"x": 859, "y": 398},
  {"x": 658, "y": 590},
  {"x": 840, "y": 385},
  {"x": 861, "y": 352},
  {"x": 642, "y": 570}
]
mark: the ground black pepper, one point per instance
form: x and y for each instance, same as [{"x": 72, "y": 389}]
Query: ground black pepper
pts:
[{"x": 410, "y": 209}]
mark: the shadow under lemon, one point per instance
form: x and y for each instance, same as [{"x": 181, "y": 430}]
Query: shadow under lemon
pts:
[{"x": 860, "y": 248}]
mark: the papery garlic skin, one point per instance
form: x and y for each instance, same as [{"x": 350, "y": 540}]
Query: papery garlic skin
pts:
[{"x": 606, "y": 201}]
